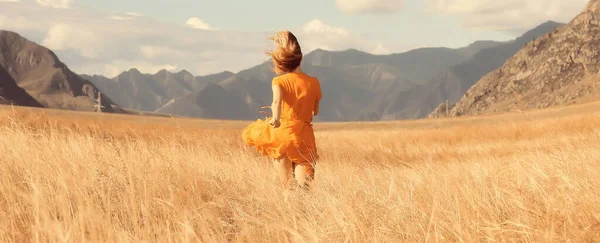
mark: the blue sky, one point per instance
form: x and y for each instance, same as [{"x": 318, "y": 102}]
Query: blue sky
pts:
[{"x": 208, "y": 36}]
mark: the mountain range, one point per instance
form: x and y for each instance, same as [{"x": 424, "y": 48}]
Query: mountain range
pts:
[
  {"x": 545, "y": 66},
  {"x": 357, "y": 86},
  {"x": 148, "y": 92}
]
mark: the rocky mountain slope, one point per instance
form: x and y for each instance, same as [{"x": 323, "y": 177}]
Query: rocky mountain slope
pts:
[
  {"x": 549, "y": 71},
  {"x": 452, "y": 83},
  {"x": 213, "y": 101},
  {"x": 43, "y": 76},
  {"x": 149, "y": 92},
  {"x": 11, "y": 93},
  {"x": 418, "y": 64}
]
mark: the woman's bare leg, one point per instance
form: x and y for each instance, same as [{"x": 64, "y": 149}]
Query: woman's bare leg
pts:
[
  {"x": 302, "y": 177},
  {"x": 283, "y": 166}
]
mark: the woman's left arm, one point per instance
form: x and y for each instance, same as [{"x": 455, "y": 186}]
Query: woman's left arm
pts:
[{"x": 276, "y": 106}]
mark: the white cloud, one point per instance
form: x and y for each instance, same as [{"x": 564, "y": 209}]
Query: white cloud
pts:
[
  {"x": 369, "y": 6},
  {"x": 198, "y": 23},
  {"x": 380, "y": 49},
  {"x": 125, "y": 16},
  {"x": 133, "y": 14},
  {"x": 151, "y": 51},
  {"x": 63, "y": 37},
  {"x": 10, "y": 1},
  {"x": 510, "y": 15},
  {"x": 155, "y": 51},
  {"x": 16, "y": 23},
  {"x": 94, "y": 43},
  {"x": 55, "y": 3},
  {"x": 89, "y": 41},
  {"x": 315, "y": 34},
  {"x": 316, "y": 26},
  {"x": 120, "y": 17}
]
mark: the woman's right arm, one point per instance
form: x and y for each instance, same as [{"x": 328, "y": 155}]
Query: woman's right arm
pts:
[{"x": 319, "y": 96}]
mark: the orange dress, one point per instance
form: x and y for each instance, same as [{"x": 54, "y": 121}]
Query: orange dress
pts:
[{"x": 295, "y": 137}]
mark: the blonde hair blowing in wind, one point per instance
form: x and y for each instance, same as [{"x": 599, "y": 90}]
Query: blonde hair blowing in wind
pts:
[{"x": 287, "y": 54}]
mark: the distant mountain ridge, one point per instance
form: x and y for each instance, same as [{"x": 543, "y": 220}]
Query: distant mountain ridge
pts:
[
  {"x": 350, "y": 80},
  {"x": 357, "y": 86},
  {"x": 346, "y": 89},
  {"x": 149, "y": 92}
]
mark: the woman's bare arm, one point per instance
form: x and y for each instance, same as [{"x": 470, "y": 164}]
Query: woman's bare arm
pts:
[
  {"x": 276, "y": 105},
  {"x": 318, "y": 101}
]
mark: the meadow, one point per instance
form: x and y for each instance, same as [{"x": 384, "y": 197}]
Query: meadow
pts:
[{"x": 73, "y": 177}]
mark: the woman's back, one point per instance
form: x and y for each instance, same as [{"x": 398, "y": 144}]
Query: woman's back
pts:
[
  {"x": 300, "y": 92},
  {"x": 288, "y": 136}
]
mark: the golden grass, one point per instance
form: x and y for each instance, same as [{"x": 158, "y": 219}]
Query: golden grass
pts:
[{"x": 102, "y": 179}]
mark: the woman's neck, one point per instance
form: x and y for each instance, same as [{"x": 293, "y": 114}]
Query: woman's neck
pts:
[{"x": 297, "y": 70}]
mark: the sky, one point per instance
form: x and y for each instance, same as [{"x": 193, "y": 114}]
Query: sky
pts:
[{"x": 106, "y": 37}]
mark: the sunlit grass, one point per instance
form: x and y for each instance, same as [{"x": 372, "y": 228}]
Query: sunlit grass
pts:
[{"x": 114, "y": 180}]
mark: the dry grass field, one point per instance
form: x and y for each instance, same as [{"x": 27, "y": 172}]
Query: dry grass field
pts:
[{"x": 75, "y": 177}]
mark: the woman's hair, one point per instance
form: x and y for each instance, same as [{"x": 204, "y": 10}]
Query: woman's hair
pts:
[{"x": 287, "y": 55}]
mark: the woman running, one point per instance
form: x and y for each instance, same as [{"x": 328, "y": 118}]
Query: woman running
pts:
[{"x": 289, "y": 138}]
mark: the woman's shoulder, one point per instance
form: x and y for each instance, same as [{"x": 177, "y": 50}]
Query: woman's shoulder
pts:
[
  {"x": 294, "y": 76},
  {"x": 311, "y": 78},
  {"x": 306, "y": 76},
  {"x": 278, "y": 79}
]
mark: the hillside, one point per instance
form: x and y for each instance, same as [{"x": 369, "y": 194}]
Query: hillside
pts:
[
  {"x": 213, "y": 101},
  {"x": 11, "y": 93},
  {"x": 43, "y": 76},
  {"x": 149, "y": 92},
  {"x": 452, "y": 83},
  {"x": 418, "y": 64},
  {"x": 132, "y": 89},
  {"x": 477, "y": 46},
  {"x": 547, "y": 72}
]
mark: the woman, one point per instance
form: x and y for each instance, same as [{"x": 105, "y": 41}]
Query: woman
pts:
[{"x": 289, "y": 138}]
